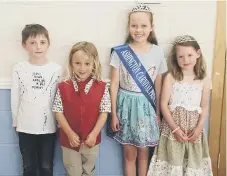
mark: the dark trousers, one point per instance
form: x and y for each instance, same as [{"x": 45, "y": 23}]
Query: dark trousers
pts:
[{"x": 37, "y": 153}]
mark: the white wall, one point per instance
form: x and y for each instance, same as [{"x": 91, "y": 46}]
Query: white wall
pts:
[{"x": 103, "y": 23}]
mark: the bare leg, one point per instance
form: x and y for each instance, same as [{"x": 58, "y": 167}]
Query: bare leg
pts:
[
  {"x": 130, "y": 154},
  {"x": 143, "y": 157}
]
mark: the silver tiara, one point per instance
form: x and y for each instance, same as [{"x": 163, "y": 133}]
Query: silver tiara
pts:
[
  {"x": 142, "y": 8},
  {"x": 184, "y": 39}
]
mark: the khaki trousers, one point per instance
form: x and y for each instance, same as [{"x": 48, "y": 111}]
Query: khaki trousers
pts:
[{"x": 80, "y": 163}]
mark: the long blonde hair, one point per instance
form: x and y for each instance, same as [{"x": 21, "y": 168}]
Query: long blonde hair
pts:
[
  {"x": 175, "y": 70},
  {"x": 90, "y": 50}
]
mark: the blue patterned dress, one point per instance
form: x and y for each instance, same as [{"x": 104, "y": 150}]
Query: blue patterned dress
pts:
[{"x": 137, "y": 118}]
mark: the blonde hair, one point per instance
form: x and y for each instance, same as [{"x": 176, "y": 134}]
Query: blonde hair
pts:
[
  {"x": 90, "y": 50},
  {"x": 174, "y": 68}
]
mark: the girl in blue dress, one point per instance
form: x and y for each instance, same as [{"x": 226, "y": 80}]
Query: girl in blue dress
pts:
[{"x": 134, "y": 120}]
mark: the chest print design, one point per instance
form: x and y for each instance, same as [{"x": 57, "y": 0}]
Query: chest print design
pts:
[
  {"x": 126, "y": 76},
  {"x": 51, "y": 85},
  {"x": 38, "y": 82},
  {"x": 151, "y": 71}
]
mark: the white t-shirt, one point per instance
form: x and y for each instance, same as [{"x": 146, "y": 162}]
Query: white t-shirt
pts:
[
  {"x": 32, "y": 93},
  {"x": 153, "y": 61}
]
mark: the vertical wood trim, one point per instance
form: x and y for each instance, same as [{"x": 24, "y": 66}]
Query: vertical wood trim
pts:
[
  {"x": 222, "y": 163},
  {"x": 217, "y": 84}
]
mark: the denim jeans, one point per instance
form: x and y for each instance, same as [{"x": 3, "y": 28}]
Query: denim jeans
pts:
[{"x": 37, "y": 153}]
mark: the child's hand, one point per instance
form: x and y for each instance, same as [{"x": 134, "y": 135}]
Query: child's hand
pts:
[
  {"x": 115, "y": 124},
  {"x": 90, "y": 140},
  {"x": 180, "y": 136},
  {"x": 194, "y": 134},
  {"x": 74, "y": 139}
]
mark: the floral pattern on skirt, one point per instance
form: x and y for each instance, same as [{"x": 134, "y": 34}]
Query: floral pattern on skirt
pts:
[{"x": 137, "y": 119}]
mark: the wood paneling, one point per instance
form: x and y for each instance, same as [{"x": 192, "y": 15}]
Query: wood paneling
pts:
[
  {"x": 218, "y": 79},
  {"x": 222, "y": 160}
]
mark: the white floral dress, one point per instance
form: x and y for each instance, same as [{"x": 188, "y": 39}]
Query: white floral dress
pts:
[{"x": 173, "y": 158}]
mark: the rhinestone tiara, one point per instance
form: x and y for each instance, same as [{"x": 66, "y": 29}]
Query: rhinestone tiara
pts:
[
  {"x": 183, "y": 39},
  {"x": 142, "y": 8}
]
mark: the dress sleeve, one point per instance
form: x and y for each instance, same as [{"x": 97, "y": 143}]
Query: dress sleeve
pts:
[
  {"x": 115, "y": 60},
  {"x": 105, "y": 105},
  {"x": 57, "y": 105},
  {"x": 163, "y": 65}
]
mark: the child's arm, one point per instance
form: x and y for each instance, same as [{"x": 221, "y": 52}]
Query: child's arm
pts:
[
  {"x": 15, "y": 97},
  {"x": 91, "y": 138},
  {"x": 194, "y": 135},
  {"x": 114, "y": 86},
  {"x": 105, "y": 107},
  {"x": 166, "y": 92},
  {"x": 99, "y": 124},
  {"x": 158, "y": 87},
  {"x": 204, "y": 102},
  {"x": 74, "y": 139},
  {"x": 58, "y": 109}
]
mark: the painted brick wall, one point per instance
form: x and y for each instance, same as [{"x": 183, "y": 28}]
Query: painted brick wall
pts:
[
  {"x": 110, "y": 155},
  {"x": 171, "y": 19},
  {"x": 108, "y": 164}
]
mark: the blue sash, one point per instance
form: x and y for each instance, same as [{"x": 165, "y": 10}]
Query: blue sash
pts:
[{"x": 137, "y": 71}]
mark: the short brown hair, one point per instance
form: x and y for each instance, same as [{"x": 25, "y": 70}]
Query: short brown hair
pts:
[{"x": 34, "y": 30}]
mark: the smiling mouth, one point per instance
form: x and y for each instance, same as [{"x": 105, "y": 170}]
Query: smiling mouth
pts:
[{"x": 186, "y": 64}]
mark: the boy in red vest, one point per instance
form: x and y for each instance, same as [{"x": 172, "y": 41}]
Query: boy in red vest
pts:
[{"x": 81, "y": 104}]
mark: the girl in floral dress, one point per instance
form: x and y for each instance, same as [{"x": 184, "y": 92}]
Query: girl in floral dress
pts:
[{"x": 183, "y": 148}]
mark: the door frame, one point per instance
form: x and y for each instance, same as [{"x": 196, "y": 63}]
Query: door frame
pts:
[{"x": 218, "y": 86}]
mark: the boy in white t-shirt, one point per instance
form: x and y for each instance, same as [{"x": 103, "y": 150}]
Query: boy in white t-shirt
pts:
[{"x": 33, "y": 88}]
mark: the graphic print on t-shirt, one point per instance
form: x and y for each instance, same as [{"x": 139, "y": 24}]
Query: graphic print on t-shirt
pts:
[
  {"x": 38, "y": 82},
  {"x": 151, "y": 71}
]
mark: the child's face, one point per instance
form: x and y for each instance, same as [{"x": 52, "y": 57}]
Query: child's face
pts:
[
  {"x": 82, "y": 65},
  {"x": 187, "y": 57},
  {"x": 140, "y": 26},
  {"x": 36, "y": 46}
]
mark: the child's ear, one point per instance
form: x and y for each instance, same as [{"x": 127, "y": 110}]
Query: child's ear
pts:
[{"x": 198, "y": 53}]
